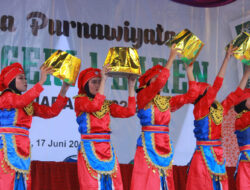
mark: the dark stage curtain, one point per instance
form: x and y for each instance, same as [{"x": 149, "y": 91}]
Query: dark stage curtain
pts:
[
  {"x": 205, "y": 3},
  {"x": 63, "y": 176}
]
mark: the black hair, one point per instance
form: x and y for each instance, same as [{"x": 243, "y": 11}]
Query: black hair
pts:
[
  {"x": 139, "y": 89},
  {"x": 240, "y": 107},
  {"x": 200, "y": 96},
  {"x": 12, "y": 86},
  {"x": 86, "y": 88}
]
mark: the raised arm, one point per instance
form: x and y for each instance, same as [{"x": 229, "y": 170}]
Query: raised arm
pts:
[
  {"x": 228, "y": 55},
  {"x": 84, "y": 104},
  {"x": 11, "y": 100},
  {"x": 148, "y": 93},
  {"x": 232, "y": 98},
  {"x": 123, "y": 112},
  {"x": 49, "y": 112},
  {"x": 178, "y": 101},
  {"x": 212, "y": 91}
]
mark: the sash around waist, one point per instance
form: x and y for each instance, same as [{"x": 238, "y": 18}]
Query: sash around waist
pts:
[
  {"x": 155, "y": 128},
  {"x": 245, "y": 147},
  {"x": 14, "y": 130},
  {"x": 96, "y": 137},
  {"x": 209, "y": 143}
]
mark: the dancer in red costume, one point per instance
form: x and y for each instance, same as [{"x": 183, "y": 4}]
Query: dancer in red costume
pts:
[
  {"x": 242, "y": 131},
  {"x": 97, "y": 164},
  {"x": 16, "y": 112},
  {"x": 207, "y": 169},
  {"x": 154, "y": 154}
]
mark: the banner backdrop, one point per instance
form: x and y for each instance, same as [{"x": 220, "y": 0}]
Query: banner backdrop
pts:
[{"x": 31, "y": 31}]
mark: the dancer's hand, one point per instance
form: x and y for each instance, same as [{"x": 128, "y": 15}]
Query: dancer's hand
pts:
[
  {"x": 44, "y": 72},
  {"x": 64, "y": 89},
  {"x": 230, "y": 51},
  {"x": 131, "y": 84},
  {"x": 104, "y": 72}
]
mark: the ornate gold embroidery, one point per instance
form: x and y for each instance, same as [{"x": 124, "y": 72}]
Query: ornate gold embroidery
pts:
[
  {"x": 8, "y": 162},
  {"x": 91, "y": 170},
  {"x": 21, "y": 156},
  {"x": 88, "y": 123},
  {"x": 240, "y": 114},
  {"x": 79, "y": 95},
  {"x": 105, "y": 109},
  {"x": 29, "y": 110},
  {"x": 217, "y": 176},
  {"x": 162, "y": 102},
  {"x": 215, "y": 157},
  {"x": 150, "y": 163},
  {"x": 93, "y": 148},
  {"x": 152, "y": 114},
  {"x": 217, "y": 114},
  {"x": 162, "y": 155},
  {"x": 248, "y": 158}
]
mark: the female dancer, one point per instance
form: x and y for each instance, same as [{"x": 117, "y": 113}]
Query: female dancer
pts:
[
  {"x": 16, "y": 112},
  {"x": 97, "y": 164},
  {"x": 154, "y": 154},
  {"x": 242, "y": 131},
  {"x": 207, "y": 169}
]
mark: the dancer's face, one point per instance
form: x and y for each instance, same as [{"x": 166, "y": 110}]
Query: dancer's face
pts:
[
  {"x": 21, "y": 83},
  {"x": 153, "y": 78},
  {"x": 94, "y": 85}
]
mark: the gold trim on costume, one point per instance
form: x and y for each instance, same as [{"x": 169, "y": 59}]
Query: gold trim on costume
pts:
[
  {"x": 241, "y": 113},
  {"x": 150, "y": 163},
  {"x": 7, "y": 161},
  {"x": 21, "y": 156},
  {"x": 215, "y": 157},
  {"x": 88, "y": 122},
  {"x": 93, "y": 148},
  {"x": 244, "y": 128},
  {"x": 90, "y": 169},
  {"x": 217, "y": 114},
  {"x": 29, "y": 109},
  {"x": 162, "y": 102},
  {"x": 152, "y": 114},
  {"x": 217, "y": 176},
  {"x": 248, "y": 158},
  {"x": 162, "y": 155},
  {"x": 104, "y": 109}
]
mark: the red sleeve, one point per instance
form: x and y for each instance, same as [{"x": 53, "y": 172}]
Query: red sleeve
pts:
[
  {"x": 123, "y": 112},
  {"x": 231, "y": 99},
  {"x": 211, "y": 94},
  {"x": 202, "y": 107},
  {"x": 11, "y": 100},
  {"x": 84, "y": 104},
  {"x": 178, "y": 101},
  {"x": 148, "y": 93},
  {"x": 49, "y": 112}
]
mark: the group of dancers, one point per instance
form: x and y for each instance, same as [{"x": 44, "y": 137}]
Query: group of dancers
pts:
[{"x": 97, "y": 164}]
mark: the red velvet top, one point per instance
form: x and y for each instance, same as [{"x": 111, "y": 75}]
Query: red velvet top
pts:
[
  {"x": 10, "y": 100},
  {"x": 202, "y": 108},
  {"x": 242, "y": 121},
  {"x": 146, "y": 95},
  {"x": 89, "y": 107}
]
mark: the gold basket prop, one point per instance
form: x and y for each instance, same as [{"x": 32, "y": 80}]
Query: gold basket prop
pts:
[
  {"x": 123, "y": 61},
  {"x": 66, "y": 66},
  {"x": 242, "y": 41},
  {"x": 189, "y": 44}
]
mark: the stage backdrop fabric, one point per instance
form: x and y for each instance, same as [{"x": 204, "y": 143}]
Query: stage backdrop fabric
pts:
[{"x": 30, "y": 31}]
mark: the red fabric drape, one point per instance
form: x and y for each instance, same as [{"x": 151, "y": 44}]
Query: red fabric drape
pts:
[
  {"x": 63, "y": 176},
  {"x": 205, "y": 3}
]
